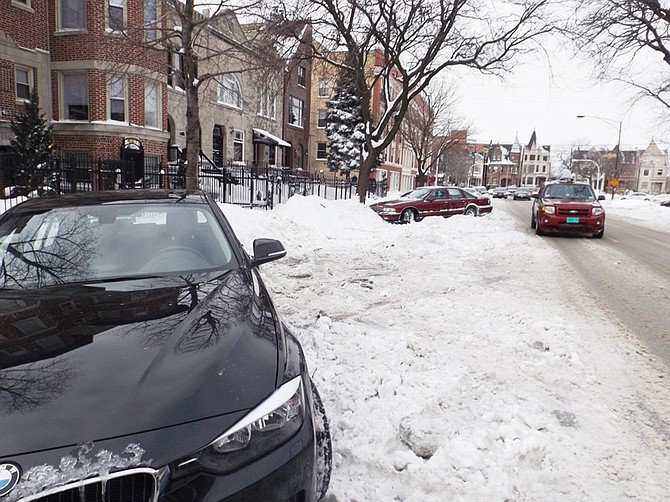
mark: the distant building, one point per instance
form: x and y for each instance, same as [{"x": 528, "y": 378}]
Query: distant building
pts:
[
  {"x": 653, "y": 171},
  {"x": 535, "y": 163}
]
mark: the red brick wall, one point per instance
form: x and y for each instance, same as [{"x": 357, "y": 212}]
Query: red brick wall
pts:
[{"x": 28, "y": 29}]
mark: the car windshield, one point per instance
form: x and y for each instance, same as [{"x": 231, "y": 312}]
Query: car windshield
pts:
[
  {"x": 109, "y": 242},
  {"x": 418, "y": 193},
  {"x": 584, "y": 192}
]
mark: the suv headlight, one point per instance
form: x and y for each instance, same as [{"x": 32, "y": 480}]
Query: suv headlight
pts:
[
  {"x": 597, "y": 210},
  {"x": 264, "y": 428},
  {"x": 549, "y": 209}
]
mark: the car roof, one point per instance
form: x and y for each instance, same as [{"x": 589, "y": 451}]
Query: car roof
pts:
[{"x": 113, "y": 196}]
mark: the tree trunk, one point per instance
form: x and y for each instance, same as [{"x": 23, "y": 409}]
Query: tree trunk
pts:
[
  {"x": 364, "y": 175},
  {"x": 192, "y": 137}
]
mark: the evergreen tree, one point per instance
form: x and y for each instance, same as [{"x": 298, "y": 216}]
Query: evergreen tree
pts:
[
  {"x": 31, "y": 147},
  {"x": 344, "y": 126}
]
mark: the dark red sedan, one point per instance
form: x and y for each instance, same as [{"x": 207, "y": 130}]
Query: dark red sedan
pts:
[{"x": 433, "y": 201}]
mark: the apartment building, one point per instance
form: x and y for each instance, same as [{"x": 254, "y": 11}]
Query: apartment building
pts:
[{"x": 109, "y": 83}]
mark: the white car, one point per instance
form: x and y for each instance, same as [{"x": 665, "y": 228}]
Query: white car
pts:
[{"x": 636, "y": 196}]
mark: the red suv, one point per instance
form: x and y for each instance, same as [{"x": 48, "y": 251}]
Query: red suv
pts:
[{"x": 568, "y": 207}]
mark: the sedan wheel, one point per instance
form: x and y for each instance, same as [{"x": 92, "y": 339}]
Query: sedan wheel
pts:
[
  {"x": 324, "y": 446},
  {"x": 408, "y": 216},
  {"x": 471, "y": 211}
]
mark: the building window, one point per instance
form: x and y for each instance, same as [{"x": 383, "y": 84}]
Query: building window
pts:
[
  {"x": 321, "y": 151},
  {"x": 23, "y": 3},
  {"x": 24, "y": 83},
  {"x": 266, "y": 104},
  {"x": 71, "y": 14},
  {"x": 152, "y": 101},
  {"x": 322, "y": 118},
  {"x": 645, "y": 172},
  {"x": 323, "y": 88},
  {"x": 659, "y": 172},
  {"x": 229, "y": 92},
  {"x": 238, "y": 145},
  {"x": 176, "y": 69},
  {"x": 302, "y": 74},
  {"x": 117, "y": 99},
  {"x": 150, "y": 19},
  {"x": 295, "y": 111},
  {"x": 116, "y": 10},
  {"x": 75, "y": 96}
]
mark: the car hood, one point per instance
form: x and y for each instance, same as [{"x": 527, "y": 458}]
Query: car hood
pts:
[
  {"x": 90, "y": 362},
  {"x": 394, "y": 202}
]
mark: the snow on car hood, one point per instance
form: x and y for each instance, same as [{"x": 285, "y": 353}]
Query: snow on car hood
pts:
[{"x": 88, "y": 362}]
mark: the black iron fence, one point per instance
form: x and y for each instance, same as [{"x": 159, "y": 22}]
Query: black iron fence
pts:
[{"x": 236, "y": 183}]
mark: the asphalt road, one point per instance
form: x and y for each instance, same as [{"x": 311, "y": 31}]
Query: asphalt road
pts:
[{"x": 627, "y": 272}]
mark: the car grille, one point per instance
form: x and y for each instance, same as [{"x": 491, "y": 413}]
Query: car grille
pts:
[
  {"x": 138, "y": 485},
  {"x": 574, "y": 211}
]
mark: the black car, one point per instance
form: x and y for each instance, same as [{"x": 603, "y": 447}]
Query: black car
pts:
[{"x": 141, "y": 358}]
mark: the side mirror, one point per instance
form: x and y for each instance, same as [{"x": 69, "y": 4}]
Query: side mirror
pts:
[
  {"x": 535, "y": 195},
  {"x": 266, "y": 250},
  {"x": 601, "y": 197}
]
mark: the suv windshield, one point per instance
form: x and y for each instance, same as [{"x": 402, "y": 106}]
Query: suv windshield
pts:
[
  {"x": 107, "y": 242},
  {"x": 567, "y": 191}
]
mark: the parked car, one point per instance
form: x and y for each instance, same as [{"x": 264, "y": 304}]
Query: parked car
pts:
[
  {"x": 499, "y": 193},
  {"x": 510, "y": 190},
  {"x": 142, "y": 357},
  {"x": 665, "y": 203},
  {"x": 432, "y": 201},
  {"x": 521, "y": 194},
  {"x": 636, "y": 196},
  {"x": 568, "y": 207}
]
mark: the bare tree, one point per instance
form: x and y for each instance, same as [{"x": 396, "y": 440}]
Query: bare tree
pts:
[
  {"x": 209, "y": 43},
  {"x": 617, "y": 34},
  {"x": 428, "y": 125},
  {"x": 399, "y": 47}
]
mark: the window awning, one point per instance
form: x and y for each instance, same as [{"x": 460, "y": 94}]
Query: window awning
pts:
[{"x": 262, "y": 136}]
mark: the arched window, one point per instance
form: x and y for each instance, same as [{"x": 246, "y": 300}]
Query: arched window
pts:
[{"x": 229, "y": 91}]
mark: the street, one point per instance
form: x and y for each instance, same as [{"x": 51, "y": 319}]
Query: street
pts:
[{"x": 628, "y": 273}]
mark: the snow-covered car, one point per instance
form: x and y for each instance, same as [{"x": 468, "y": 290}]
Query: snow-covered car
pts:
[
  {"x": 636, "y": 196},
  {"x": 142, "y": 358},
  {"x": 432, "y": 201},
  {"x": 568, "y": 207}
]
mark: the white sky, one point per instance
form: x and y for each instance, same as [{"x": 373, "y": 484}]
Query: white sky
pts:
[
  {"x": 547, "y": 96},
  {"x": 460, "y": 360}
]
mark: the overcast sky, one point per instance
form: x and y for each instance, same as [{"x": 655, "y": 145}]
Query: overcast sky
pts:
[{"x": 546, "y": 97}]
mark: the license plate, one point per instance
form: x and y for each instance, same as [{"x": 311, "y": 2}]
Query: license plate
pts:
[{"x": 572, "y": 219}]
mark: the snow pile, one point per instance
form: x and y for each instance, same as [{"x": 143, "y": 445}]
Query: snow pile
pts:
[{"x": 458, "y": 361}]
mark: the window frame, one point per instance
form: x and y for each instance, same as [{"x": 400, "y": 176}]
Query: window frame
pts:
[
  {"x": 123, "y": 7},
  {"x": 324, "y": 88},
  {"x": 322, "y": 149},
  {"x": 237, "y": 137},
  {"x": 322, "y": 118},
  {"x": 111, "y": 97},
  {"x": 296, "y": 112},
  {"x": 30, "y": 82},
  {"x": 157, "y": 111},
  {"x": 266, "y": 103},
  {"x": 64, "y": 107},
  {"x": 302, "y": 76},
  {"x": 227, "y": 95},
  {"x": 80, "y": 9},
  {"x": 150, "y": 25}
]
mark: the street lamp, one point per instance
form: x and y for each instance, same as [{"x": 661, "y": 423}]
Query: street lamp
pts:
[
  {"x": 597, "y": 165},
  {"x": 612, "y": 123}
]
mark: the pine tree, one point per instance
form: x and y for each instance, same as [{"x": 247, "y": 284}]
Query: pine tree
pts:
[
  {"x": 31, "y": 148},
  {"x": 344, "y": 126}
]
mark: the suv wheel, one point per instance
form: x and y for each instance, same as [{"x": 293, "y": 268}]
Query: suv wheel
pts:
[
  {"x": 538, "y": 230},
  {"x": 533, "y": 224},
  {"x": 599, "y": 235}
]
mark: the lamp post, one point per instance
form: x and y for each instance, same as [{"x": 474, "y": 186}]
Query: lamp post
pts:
[
  {"x": 597, "y": 166},
  {"x": 610, "y": 122}
]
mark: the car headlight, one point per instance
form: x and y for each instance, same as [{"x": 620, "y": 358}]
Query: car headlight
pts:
[
  {"x": 549, "y": 209},
  {"x": 264, "y": 428},
  {"x": 388, "y": 210},
  {"x": 597, "y": 210}
]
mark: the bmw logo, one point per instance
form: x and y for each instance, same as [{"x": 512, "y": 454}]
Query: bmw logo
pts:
[{"x": 10, "y": 473}]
